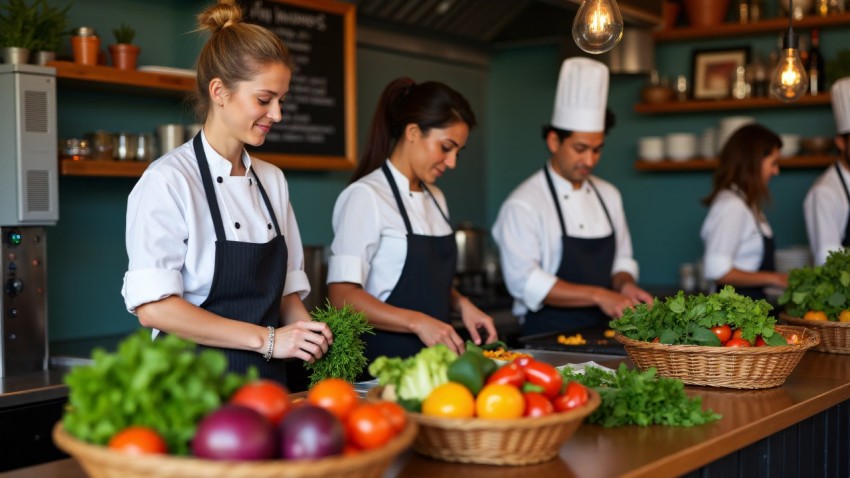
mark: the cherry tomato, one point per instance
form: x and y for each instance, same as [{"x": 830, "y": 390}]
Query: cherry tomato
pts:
[
  {"x": 268, "y": 397},
  {"x": 546, "y": 376},
  {"x": 138, "y": 440},
  {"x": 574, "y": 396},
  {"x": 723, "y": 332},
  {"x": 793, "y": 338},
  {"x": 656, "y": 340},
  {"x": 760, "y": 341},
  {"x": 394, "y": 413},
  {"x": 510, "y": 374},
  {"x": 367, "y": 428},
  {"x": 537, "y": 405},
  {"x": 450, "y": 400},
  {"x": 736, "y": 334},
  {"x": 334, "y": 395},
  {"x": 737, "y": 342},
  {"x": 499, "y": 401}
]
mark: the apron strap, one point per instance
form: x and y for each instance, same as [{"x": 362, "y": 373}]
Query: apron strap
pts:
[
  {"x": 841, "y": 179},
  {"x": 555, "y": 198},
  {"x": 266, "y": 200},
  {"x": 424, "y": 187},
  {"x": 604, "y": 207},
  {"x": 209, "y": 189},
  {"x": 397, "y": 195}
]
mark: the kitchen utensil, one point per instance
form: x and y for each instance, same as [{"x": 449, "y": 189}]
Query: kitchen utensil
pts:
[
  {"x": 101, "y": 144},
  {"x": 75, "y": 148},
  {"x": 680, "y": 146},
  {"x": 470, "y": 248},
  {"x": 171, "y": 136},
  {"x": 651, "y": 148},
  {"x": 790, "y": 145},
  {"x": 124, "y": 146},
  {"x": 145, "y": 147},
  {"x": 816, "y": 144},
  {"x": 657, "y": 94}
]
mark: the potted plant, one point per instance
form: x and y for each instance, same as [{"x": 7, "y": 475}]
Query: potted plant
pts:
[
  {"x": 124, "y": 53},
  {"x": 17, "y": 32},
  {"x": 50, "y": 28}
]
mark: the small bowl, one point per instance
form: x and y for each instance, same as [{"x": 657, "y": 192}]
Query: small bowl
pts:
[
  {"x": 657, "y": 94},
  {"x": 816, "y": 144}
]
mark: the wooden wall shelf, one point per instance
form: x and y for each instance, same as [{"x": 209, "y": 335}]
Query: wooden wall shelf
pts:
[
  {"x": 794, "y": 162},
  {"x": 103, "y": 168},
  {"x": 770, "y": 25},
  {"x": 698, "y": 106},
  {"x": 109, "y": 78}
]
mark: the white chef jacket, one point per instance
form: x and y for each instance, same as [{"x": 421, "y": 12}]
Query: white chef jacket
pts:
[
  {"x": 528, "y": 233},
  {"x": 370, "y": 239},
  {"x": 170, "y": 233},
  {"x": 825, "y": 209},
  {"x": 731, "y": 236}
]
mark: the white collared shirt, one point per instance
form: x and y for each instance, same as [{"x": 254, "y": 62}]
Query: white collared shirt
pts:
[
  {"x": 170, "y": 234},
  {"x": 825, "y": 209},
  {"x": 528, "y": 233},
  {"x": 370, "y": 239},
  {"x": 731, "y": 236}
]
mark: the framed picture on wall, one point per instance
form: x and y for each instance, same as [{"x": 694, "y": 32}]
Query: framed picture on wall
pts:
[{"x": 714, "y": 70}]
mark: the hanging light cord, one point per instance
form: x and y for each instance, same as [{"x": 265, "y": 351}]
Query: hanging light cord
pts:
[{"x": 790, "y": 40}]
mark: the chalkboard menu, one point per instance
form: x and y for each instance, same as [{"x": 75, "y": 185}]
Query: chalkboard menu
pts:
[{"x": 318, "y": 130}]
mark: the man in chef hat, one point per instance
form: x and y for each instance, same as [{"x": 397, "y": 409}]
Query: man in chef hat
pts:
[
  {"x": 565, "y": 246},
  {"x": 827, "y": 205}
]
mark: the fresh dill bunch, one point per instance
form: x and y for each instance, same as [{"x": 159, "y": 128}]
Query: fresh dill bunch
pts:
[{"x": 345, "y": 358}]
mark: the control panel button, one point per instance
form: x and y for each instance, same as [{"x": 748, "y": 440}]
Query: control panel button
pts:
[
  {"x": 13, "y": 312},
  {"x": 14, "y": 238},
  {"x": 14, "y": 286}
]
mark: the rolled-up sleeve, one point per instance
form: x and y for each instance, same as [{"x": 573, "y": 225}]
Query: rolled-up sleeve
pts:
[
  {"x": 357, "y": 234},
  {"x": 721, "y": 236},
  {"x": 296, "y": 278},
  {"x": 520, "y": 250}
]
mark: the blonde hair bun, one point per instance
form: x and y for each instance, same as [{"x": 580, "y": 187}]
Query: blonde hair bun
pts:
[{"x": 219, "y": 16}]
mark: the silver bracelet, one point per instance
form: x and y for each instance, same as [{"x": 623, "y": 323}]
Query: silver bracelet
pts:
[{"x": 270, "y": 348}]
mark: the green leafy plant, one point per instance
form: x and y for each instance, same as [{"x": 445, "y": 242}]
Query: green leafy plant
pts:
[
  {"x": 164, "y": 384},
  {"x": 17, "y": 24},
  {"x": 51, "y": 26},
  {"x": 124, "y": 34},
  {"x": 688, "y": 319},
  {"x": 824, "y": 288},
  {"x": 346, "y": 358}
]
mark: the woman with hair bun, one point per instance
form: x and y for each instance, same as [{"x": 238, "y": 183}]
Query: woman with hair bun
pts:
[
  {"x": 394, "y": 254},
  {"x": 214, "y": 250},
  {"x": 739, "y": 244}
]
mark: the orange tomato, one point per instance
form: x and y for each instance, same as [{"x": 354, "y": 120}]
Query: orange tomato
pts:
[
  {"x": 334, "y": 395},
  {"x": 844, "y": 316},
  {"x": 367, "y": 428},
  {"x": 138, "y": 440},
  {"x": 394, "y": 413},
  {"x": 450, "y": 400},
  {"x": 499, "y": 402},
  {"x": 815, "y": 315},
  {"x": 268, "y": 397}
]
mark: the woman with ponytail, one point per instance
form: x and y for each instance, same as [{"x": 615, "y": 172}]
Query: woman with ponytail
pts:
[
  {"x": 393, "y": 255},
  {"x": 215, "y": 253}
]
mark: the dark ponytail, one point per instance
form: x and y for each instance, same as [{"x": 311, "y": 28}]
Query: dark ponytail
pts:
[{"x": 428, "y": 105}]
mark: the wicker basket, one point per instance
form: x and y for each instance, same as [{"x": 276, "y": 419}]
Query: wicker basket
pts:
[
  {"x": 520, "y": 441},
  {"x": 101, "y": 462},
  {"x": 730, "y": 367},
  {"x": 834, "y": 336}
]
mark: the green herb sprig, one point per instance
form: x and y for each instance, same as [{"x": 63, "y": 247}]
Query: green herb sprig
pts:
[
  {"x": 345, "y": 358},
  {"x": 632, "y": 397},
  {"x": 163, "y": 384}
]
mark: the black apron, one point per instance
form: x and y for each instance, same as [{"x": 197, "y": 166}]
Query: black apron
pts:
[
  {"x": 845, "y": 241},
  {"x": 425, "y": 284},
  {"x": 583, "y": 261},
  {"x": 248, "y": 280},
  {"x": 768, "y": 264}
]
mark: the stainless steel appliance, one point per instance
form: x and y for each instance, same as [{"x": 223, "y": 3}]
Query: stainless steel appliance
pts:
[{"x": 28, "y": 195}]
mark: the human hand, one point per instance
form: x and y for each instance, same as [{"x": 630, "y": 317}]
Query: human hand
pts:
[
  {"x": 780, "y": 279},
  {"x": 432, "y": 331},
  {"x": 473, "y": 319},
  {"x": 304, "y": 339},
  {"x": 613, "y": 304},
  {"x": 636, "y": 294}
]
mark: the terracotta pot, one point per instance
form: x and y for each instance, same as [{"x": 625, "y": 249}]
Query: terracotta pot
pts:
[
  {"x": 85, "y": 49},
  {"x": 706, "y": 13},
  {"x": 124, "y": 56}
]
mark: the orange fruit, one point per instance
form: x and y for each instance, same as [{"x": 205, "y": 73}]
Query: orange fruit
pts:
[
  {"x": 815, "y": 315},
  {"x": 449, "y": 400},
  {"x": 500, "y": 402}
]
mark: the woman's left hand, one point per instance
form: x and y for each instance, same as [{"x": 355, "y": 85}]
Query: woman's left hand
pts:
[{"x": 473, "y": 319}]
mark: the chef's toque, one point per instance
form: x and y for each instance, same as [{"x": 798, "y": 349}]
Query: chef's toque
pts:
[
  {"x": 841, "y": 104},
  {"x": 582, "y": 96}
]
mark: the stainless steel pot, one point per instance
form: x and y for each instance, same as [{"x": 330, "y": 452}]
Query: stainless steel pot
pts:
[{"x": 470, "y": 248}]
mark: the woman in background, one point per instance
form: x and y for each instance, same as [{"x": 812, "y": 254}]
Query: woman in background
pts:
[
  {"x": 394, "y": 254},
  {"x": 739, "y": 243},
  {"x": 215, "y": 253}
]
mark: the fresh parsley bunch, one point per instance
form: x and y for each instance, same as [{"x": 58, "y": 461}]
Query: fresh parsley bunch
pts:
[
  {"x": 346, "y": 358},
  {"x": 825, "y": 288},
  {"x": 163, "y": 384},
  {"x": 631, "y": 397},
  {"x": 688, "y": 319}
]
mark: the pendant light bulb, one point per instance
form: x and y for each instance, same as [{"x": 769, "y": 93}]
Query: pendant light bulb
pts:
[
  {"x": 789, "y": 81},
  {"x": 598, "y": 26}
]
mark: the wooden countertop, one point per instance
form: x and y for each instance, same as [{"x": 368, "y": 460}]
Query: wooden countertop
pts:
[{"x": 819, "y": 382}]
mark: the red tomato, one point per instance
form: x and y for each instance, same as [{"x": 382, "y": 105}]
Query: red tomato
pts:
[
  {"x": 736, "y": 334},
  {"x": 760, "y": 341},
  {"x": 656, "y": 340},
  {"x": 268, "y": 397},
  {"x": 334, "y": 395},
  {"x": 394, "y": 413},
  {"x": 510, "y": 374},
  {"x": 367, "y": 428},
  {"x": 536, "y": 405},
  {"x": 574, "y": 396},
  {"x": 723, "y": 332},
  {"x": 544, "y": 375},
  {"x": 737, "y": 342},
  {"x": 137, "y": 440}
]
